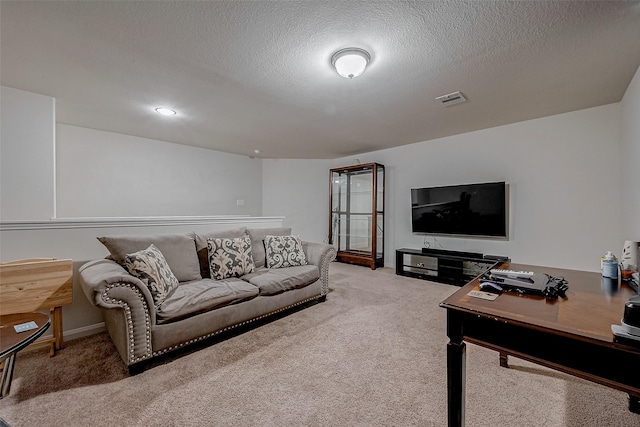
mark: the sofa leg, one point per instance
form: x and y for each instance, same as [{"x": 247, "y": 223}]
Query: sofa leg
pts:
[
  {"x": 136, "y": 369},
  {"x": 323, "y": 298}
]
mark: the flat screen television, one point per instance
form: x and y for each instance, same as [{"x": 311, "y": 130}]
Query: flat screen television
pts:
[{"x": 466, "y": 210}]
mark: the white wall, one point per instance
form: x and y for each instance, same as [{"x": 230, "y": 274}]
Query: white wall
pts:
[
  {"x": 631, "y": 160},
  {"x": 27, "y": 164},
  {"x": 563, "y": 175},
  {"x": 299, "y": 191},
  {"x": 106, "y": 174}
]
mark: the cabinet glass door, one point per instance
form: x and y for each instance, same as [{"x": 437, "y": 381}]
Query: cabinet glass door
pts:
[
  {"x": 351, "y": 211},
  {"x": 380, "y": 211}
]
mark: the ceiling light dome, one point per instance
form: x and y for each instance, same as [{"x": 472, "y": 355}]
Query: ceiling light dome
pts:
[{"x": 350, "y": 62}]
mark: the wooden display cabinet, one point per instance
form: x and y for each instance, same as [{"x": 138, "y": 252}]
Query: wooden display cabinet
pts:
[{"x": 356, "y": 219}]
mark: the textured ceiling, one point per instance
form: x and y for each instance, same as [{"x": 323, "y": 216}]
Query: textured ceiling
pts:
[{"x": 257, "y": 75}]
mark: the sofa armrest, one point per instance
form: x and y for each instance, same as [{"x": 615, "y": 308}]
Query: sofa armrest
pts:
[
  {"x": 127, "y": 305},
  {"x": 320, "y": 255},
  {"x": 97, "y": 277}
]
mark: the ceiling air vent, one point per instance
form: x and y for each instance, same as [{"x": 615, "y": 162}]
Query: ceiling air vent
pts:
[{"x": 451, "y": 99}]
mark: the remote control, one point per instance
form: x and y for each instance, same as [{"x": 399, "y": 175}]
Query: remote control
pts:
[
  {"x": 512, "y": 273},
  {"x": 23, "y": 327}
]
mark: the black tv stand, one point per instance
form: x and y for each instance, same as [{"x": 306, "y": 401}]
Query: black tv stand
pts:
[
  {"x": 439, "y": 265},
  {"x": 473, "y": 255}
]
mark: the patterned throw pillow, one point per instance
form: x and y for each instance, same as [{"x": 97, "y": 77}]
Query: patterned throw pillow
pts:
[
  {"x": 150, "y": 266},
  {"x": 229, "y": 257},
  {"x": 284, "y": 251}
]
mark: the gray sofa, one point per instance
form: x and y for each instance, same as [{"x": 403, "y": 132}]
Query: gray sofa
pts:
[{"x": 200, "y": 307}]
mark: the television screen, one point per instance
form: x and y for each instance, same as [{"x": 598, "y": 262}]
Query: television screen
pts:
[{"x": 472, "y": 210}]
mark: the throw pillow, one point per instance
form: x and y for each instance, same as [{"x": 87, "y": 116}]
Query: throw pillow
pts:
[
  {"x": 257, "y": 241},
  {"x": 150, "y": 266},
  {"x": 179, "y": 250},
  {"x": 203, "y": 251},
  {"x": 229, "y": 257},
  {"x": 284, "y": 251}
]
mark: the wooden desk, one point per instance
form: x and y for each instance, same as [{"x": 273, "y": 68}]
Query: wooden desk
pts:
[
  {"x": 12, "y": 342},
  {"x": 571, "y": 335}
]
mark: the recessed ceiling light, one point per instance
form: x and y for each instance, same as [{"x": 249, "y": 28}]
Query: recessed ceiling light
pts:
[
  {"x": 256, "y": 151},
  {"x": 165, "y": 111}
]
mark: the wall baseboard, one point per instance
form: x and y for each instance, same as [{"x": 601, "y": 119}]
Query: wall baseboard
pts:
[
  {"x": 76, "y": 333},
  {"x": 84, "y": 331}
]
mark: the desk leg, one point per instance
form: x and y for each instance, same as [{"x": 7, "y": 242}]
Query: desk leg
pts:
[
  {"x": 56, "y": 314},
  {"x": 504, "y": 359},
  {"x": 456, "y": 370},
  {"x": 7, "y": 376},
  {"x": 634, "y": 404}
]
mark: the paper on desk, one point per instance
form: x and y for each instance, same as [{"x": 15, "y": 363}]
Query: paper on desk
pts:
[{"x": 483, "y": 295}]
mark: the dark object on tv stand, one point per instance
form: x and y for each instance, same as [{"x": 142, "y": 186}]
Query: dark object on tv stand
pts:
[
  {"x": 497, "y": 257},
  {"x": 452, "y": 253}
]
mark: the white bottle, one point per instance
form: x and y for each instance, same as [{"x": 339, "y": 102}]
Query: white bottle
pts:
[{"x": 609, "y": 266}]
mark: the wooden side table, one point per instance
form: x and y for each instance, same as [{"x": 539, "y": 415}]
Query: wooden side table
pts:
[
  {"x": 35, "y": 284},
  {"x": 11, "y": 342}
]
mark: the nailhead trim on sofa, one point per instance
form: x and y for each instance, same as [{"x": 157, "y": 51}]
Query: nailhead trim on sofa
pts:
[
  {"x": 129, "y": 319},
  {"x": 324, "y": 274},
  {"x": 228, "y": 328}
]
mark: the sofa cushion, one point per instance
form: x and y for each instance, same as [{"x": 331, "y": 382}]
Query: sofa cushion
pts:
[
  {"x": 276, "y": 281},
  {"x": 257, "y": 241},
  {"x": 229, "y": 257},
  {"x": 202, "y": 295},
  {"x": 201, "y": 245},
  {"x": 150, "y": 266},
  {"x": 283, "y": 251},
  {"x": 178, "y": 249}
]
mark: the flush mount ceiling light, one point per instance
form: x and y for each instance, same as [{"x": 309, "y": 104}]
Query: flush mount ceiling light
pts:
[
  {"x": 350, "y": 62},
  {"x": 165, "y": 111}
]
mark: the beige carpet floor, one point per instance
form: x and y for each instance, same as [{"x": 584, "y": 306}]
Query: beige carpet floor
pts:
[{"x": 372, "y": 355}]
